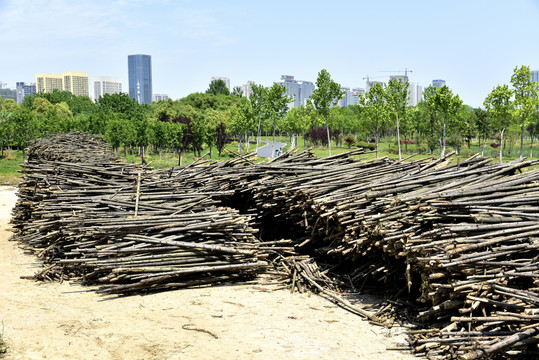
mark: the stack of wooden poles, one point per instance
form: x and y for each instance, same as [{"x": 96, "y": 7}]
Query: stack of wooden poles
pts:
[{"x": 454, "y": 244}]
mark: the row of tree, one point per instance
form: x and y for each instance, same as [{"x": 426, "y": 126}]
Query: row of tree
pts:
[{"x": 207, "y": 120}]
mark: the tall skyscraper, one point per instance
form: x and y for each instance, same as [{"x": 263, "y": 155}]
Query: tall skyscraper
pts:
[
  {"x": 140, "y": 78},
  {"x": 24, "y": 89},
  {"x": 225, "y": 79},
  {"x": 438, "y": 83},
  {"x": 77, "y": 83},
  {"x": 535, "y": 75},
  {"x": 106, "y": 85},
  {"x": 46, "y": 83},
  {"x": 415, "y": 94}
]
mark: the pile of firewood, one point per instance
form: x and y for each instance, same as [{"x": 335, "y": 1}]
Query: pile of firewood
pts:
[{"x": 453, "y": 244}]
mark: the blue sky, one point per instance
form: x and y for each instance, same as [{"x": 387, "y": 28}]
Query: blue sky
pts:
[{"x": 474, "y": 45}]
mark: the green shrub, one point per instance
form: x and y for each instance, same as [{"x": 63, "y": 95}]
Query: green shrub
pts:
[{"x": 366, "y": 145}]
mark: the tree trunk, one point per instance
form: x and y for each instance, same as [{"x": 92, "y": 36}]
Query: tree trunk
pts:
[
  {"x": 329, "y": 140},
  {"x": 442, "y": 155},
  {"x": 531, "y": 147},
  {"x": 258, "y": 133},
  {"x": 376, "y": 139},
  {"x": 522, "y": 137},
  {"x": 483, "y": 148},
  {"x": 273, "y": 142},
  {"x": 399, "y": 137},
  {"x": 501, "y": 145}
]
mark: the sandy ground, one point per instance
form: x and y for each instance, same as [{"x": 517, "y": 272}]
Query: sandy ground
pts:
[{"x": 58, "y": 321}]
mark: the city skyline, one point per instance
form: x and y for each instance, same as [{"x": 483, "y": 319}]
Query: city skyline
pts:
[{"x": 473, "y": 46}]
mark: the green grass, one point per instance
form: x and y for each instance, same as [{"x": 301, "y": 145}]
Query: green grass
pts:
[{"x": 9, "y": 165}]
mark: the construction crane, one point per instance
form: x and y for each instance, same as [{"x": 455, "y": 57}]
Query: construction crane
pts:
[
  {"x": 373, "y": 77},
  {"x": 405, "y": 71}
]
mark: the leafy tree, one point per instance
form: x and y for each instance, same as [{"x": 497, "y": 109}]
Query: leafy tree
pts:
[
  {"x": 500, "y": 106},
  {"x": 397, "y": 98},
  {"x": 258, "y": 101},
  {"x": 430, "y": 125},
  {"x": 296, "y": 121},
  {"x": 121, "y": 104},
  {"x": 526, "y": 97},
  {"x": 237, "y": 91},
  {"x": 483, "y": 125},
  {"x": 326, "y": 95},
  {"x": 276, "y": 106},
  {"x": 218, "y": 87},
  {"x": 9, "y": 105},
  {"x": 6, "y": 129},
  {"x": 377, "y": 112},
  {"x": 24, "y": 128},
  {"x": 447, "y": 105},
  {"x": 42, "y": 105},
  {"x": 241, "y": 121},
  {"x": 221, "y": 138}
]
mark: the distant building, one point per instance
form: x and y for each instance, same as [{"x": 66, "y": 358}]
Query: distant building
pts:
[
  {"x": 225, "y": 79},
  {"x": 2, "y": 84},
  {"x": 24, "y": 89},
  {"x": 371, "y": 83},
  {"x": 306, "y": 89},
  {"x": 140, "y": 78},
  {"x": 355, "y": 95},
  {"x": 415, "y": 94},
  {"x": 438, "y": 83},
  {"x": 402, "y": 78},
  {"x": 46, "y": 83},
  {"x": 159, "y": 97},
  {"x": 535, "y": 75},
  {"x": 106, "y": 85},
  {"x": 347, "y": 98},
  {"x": 300, "y": 90},
  {"x": 6, "y": 93},
  {"x": 77, "y": 83},
  {"x": 247, "y": 89}
]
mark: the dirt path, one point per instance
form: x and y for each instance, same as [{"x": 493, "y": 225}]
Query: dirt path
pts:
[{"x": 58, "y": 321}]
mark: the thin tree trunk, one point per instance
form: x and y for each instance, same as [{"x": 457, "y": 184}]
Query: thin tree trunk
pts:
[
  {"x": 399, "y": 137},
  {"x": 501, "y": 145},
  {"x": 329, "y": 140},
  {"x": 531, "y": 147},
  {"x": 522, "y": 137},
  {"x": 443, "y": 143},
  {"x": 273, "y": 142}
]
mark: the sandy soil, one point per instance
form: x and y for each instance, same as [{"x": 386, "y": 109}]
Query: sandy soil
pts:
[{"x": 66, "y": 321}]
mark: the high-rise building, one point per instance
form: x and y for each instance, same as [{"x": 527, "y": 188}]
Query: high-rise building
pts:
[
  {"x": 24, "y": 89},
  {"x": 415, "y": 94},
  {"x": 247, "y": 89},
  {"x": 300, "y": 90},
  {"x": 306, "y": 89},
  {"x": 106, "y": 85},
  {"x": 347, "y": 97},
  {"x": 140, "y": 78},
  {"x": 76, "y": 83},
  {"x": 2, "y": 84},
  {"x": 438, "y": 83},
  {"x": 159, "y": 97},
  {"x": 225, "y": 79},
  {"x": 371, "y": 83},
  {"x": 46, "y": 83},
  {"x": 535, "y": 75}
]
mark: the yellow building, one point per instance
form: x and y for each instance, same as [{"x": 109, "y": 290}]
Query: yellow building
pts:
[
  {"x": 48, "y": 82},
  {"x": 76, "y": 83}
]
